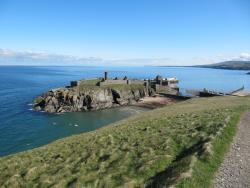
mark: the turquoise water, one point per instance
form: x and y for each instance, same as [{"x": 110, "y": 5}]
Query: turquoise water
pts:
[{"x": 22, "y": 129}]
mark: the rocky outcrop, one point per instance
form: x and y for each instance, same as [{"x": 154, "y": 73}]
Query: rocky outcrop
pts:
[{"x": 73, "y": 100}]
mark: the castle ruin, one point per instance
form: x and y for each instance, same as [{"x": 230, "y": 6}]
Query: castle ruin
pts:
[{"x": 159, "y": 84}]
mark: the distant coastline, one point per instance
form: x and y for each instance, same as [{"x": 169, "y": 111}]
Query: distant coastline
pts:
[{"x": 228, "y": 65}]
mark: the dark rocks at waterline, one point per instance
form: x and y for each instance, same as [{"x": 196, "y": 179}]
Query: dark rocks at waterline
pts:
[{"x": 72, "y": 100}]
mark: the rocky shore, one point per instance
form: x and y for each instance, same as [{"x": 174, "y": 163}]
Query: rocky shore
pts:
[
  {"x": 75, "y": 99},
  {"x": 102, "y": 93}
]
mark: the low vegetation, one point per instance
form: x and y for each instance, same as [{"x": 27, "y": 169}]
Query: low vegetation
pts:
[
  {"x": 125, "y": 87},
  {"x": 181, "y": 144},
  {"x": 93, "y": 84},
  {"x": 90, "y": 82}
]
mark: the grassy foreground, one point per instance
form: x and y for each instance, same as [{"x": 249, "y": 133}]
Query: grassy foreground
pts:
[{"x": 181, "y": 144}]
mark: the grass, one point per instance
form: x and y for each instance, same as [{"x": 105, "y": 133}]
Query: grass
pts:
[
  {"x": 181, "y": 144},
  {"x": 93, "y": 83},
  {"x": 207, "y": 165},
  {"x": 123, "y": 87},
  {"x": 90, "y": 82}
]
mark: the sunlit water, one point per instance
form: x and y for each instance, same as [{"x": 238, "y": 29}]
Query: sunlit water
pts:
[{"x": 22, "y": 129}]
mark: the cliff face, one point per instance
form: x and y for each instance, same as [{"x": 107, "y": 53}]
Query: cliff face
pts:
[{"x": 89, "y": 98}]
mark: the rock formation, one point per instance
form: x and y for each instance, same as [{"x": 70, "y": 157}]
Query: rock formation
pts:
[
  {"x": 101, "y": 93},
  {"x": 74, "y": 99}
]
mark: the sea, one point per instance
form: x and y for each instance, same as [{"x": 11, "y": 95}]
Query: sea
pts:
[{"x": 22, "y": 129}]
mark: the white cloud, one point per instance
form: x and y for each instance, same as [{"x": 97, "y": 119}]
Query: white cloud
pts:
[
  {"x": 245, "y": 56},
  {"x": 11, "y": 57}
]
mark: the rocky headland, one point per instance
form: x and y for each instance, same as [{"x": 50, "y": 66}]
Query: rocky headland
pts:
[
  {"x": 102, "y": 93},
  {"x": 87, "y": 97}
]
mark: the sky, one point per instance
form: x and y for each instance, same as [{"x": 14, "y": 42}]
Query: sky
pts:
[{"x": 124, "y": 32}]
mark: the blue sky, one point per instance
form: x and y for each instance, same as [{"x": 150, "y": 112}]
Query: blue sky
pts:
[{"x": 172, "y": 32}]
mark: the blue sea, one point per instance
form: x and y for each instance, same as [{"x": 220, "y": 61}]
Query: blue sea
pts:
[{"x": 21, "y": 128}]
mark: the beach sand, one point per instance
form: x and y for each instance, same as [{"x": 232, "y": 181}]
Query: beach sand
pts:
[
  {"x": 155, "y": 102},
  {"x": 241, "y": 93}
]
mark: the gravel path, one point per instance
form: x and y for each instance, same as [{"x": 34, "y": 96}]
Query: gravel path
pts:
[{"x": 235, "y": 169}]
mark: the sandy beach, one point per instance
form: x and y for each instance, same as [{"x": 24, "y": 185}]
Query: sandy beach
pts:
[
  {"x": 155, "y": 102},
  {"x": 241, "y": 93}
]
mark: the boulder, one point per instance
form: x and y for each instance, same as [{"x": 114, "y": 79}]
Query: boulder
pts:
[
  {"x": 151, "y": 92},
  {"x": 39, "y": 102},
  {"x": 50, "y": 108}
]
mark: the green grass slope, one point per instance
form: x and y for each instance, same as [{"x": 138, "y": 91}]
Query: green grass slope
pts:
[{"x": 181, "y": 144}]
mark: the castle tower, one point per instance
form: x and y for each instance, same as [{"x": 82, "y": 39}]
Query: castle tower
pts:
[{"x": 105, "y": 75}]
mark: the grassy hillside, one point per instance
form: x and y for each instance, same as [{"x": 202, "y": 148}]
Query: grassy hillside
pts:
[
  {"x": 181, "y": 145},
  {"x": 232, "y": 65}
]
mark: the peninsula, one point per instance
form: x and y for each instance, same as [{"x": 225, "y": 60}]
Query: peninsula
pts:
[{"x": 101, "y": 93}]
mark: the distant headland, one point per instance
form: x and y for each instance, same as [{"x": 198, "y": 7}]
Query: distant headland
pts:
[
  {"x": 231, "y": 65},
  {"x": 101, "y": 93}
]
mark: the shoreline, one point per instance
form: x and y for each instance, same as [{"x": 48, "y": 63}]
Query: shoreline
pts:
[
  {"x": 241, "y": 93},
  {"x": 74, "y": 123},
  {"x": 156, "y": 102},
  {"x": 145, "y": 104},
  {"x": 146, "y": 140}
]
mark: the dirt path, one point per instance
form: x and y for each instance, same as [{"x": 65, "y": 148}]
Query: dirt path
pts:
[{"x": 235, "y": 169}]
